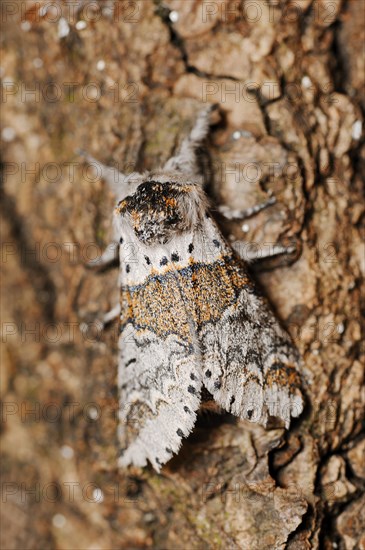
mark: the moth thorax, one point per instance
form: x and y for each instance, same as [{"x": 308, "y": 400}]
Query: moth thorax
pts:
[{"x": 156, "y": 211}]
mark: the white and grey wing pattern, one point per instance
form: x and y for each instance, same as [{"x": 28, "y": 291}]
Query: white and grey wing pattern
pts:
[
  {"x": 159, "y": 386},
  {"x": 159, "y": 374},
  {"x": 191, "y": 316},
  {"x": 250, "y": 365}
]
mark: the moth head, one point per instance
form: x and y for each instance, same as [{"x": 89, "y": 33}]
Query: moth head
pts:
[{"x": 161, "y": 207}]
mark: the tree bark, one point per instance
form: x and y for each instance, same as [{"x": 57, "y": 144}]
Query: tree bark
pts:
[{"x": 125, "y": 81}]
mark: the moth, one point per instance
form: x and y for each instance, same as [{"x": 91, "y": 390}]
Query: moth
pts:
[{"x": 192, "y": 322}]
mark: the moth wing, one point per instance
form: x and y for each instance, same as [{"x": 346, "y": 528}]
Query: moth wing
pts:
[
  {"x": 158, "y": 377},
  {"x": 249, "y": 362}
]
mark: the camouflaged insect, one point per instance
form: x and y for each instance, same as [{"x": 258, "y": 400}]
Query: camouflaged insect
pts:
[{"x": 192, "y": 323}]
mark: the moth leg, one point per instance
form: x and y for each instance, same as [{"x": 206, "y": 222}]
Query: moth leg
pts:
[
  {"x": 245, "y": 251},
  {"x": 107, "y": 258},
  {"x": 230, "y": 214},
  {"x": 111, "y": 315},
  {"x": 112, "y": 177},
  {"x": 186, "y": 160},
  {"x": 253, "y": 254}
]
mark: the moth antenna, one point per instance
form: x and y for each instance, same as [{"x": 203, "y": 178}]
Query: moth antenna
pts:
[
  {"x": 186, "y": 160},
  {"x": 115, "y": 179}
]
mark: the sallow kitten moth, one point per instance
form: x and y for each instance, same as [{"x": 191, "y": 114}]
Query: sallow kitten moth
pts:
[{"x": 191, "y": 320}]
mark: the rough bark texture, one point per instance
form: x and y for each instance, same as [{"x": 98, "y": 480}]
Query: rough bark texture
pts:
[{"x": 126, "y": 86}]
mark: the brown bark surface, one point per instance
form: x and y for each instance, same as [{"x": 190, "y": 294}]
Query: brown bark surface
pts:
[{"x": 126, "y": 85}]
